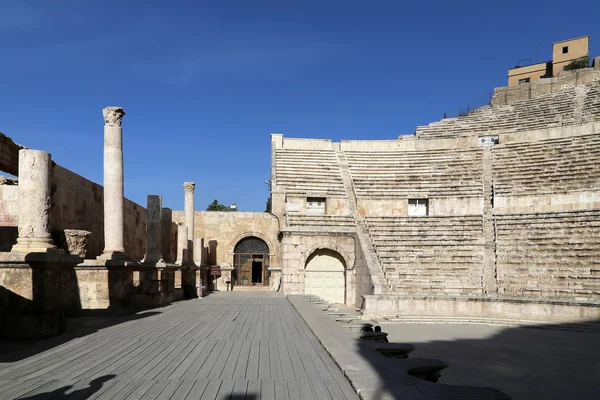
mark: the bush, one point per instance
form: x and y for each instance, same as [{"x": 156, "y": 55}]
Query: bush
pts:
[{"x": 582, "y": 62}]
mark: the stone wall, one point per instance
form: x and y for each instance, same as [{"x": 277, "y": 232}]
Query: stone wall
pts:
[
  {"x": 9, "y": 155},
  {"x": 77, "y": 203},
  {"x": 227, "y": 228},
  {"x": 506, "y": 95},
  {"x": 296, "y": 248}
]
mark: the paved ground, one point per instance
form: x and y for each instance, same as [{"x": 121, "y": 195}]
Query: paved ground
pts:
[
  {"x": 524, "y": 363},
  {"x": 225, "y": 346}
]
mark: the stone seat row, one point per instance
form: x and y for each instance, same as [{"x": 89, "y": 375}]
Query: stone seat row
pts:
[{"x": 551, "y": 109}]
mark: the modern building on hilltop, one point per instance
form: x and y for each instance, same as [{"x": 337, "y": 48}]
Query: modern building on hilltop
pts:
[{"x": 564, "y": 53}]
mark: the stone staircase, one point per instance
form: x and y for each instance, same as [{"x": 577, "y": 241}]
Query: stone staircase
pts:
[{"x": 373, "y": 265}]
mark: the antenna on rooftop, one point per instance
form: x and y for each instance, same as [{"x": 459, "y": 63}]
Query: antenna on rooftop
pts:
[{"x": 538, "y": 53}]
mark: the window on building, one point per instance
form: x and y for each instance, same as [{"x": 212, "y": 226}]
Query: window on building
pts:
[
  {"x": 315, "y": 205},
  {"x": 565, "y": 49},
  {"x": 524, "y": 80},
  {"x": 418, "y": 207}
]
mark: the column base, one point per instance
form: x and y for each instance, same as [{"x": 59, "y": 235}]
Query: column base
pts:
[
  {"x": 27, "y": 245},
  {"x": 114, "y": 256}
]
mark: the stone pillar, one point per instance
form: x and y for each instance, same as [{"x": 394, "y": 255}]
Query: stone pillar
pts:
[
  {"x": 189, "y": 213},
  {"x": 198, "y": 251},
  {"x": 153, "y": 230},
  {"x": 167, "y": 237},
  {"x": 34, "y": 202},
  {"x": 113, "y": 181},
  {"x": 182, "y": 244}
]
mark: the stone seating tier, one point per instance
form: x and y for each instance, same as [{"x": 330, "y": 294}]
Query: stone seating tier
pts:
[
  {"x": 568, "y": 106},
  {"x": 435, "y": 173},
  {"x": 422, "y": 255},
  {"x": 306, "y": 172},
  {"x": 549, "y": 254},
  {"x": 549, "y": 166},
  {"x": 319, "y": 221}
]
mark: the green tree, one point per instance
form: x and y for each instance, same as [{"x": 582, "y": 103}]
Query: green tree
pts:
[
  {"x": 268, "y": 209},
  {"x": 216, "y": 206}
]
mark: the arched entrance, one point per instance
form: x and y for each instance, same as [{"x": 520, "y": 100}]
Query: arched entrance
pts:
[
  {"x": 251, "y": 262},
  {"x": 324, "y": 275}
]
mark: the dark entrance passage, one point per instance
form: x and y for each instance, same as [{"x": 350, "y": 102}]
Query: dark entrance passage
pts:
[
  {"x": 257, "y": 272},
  {"x": 251, "y": 262}
]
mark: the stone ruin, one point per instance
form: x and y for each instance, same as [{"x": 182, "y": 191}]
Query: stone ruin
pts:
[{"x": 493, "y": 215}]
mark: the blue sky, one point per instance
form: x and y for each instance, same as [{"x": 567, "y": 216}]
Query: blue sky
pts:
[{"x": 205, "y": 83}]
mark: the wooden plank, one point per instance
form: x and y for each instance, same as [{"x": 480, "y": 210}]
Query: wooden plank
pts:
[
  {"x": 253, "y": 390},
  {"x": 156, "y": 389},
  {"x": 307, "y": 390},
  {"x": 225, "y": 390},
  {"x": 172, "y": 361},
  {"x": 232, "y": 359},
  {"x": 211, "y": 359},
  {"x": 198, "y": 389},
  {"x": 217, "y": 368},
  {"x": 287, "y": 370},
  {"x": 129, "y": 388},
  {"x": 253, "y": 357},
  {"x": 281, "y": 390},
  {"x": 169, "y": 390},
  {"x": 267, "y": 389},
  {"x": 182, "y": 391},
  {"x": 293, "y": 389},
  {"x": 264, "y": 369},
  {"x": 239, "y": 389},
  {"x": 188, "y": 360},
  {"x": 242, "y": 362},
  {"x": 320, "y": 389},
  {"x": 141, "y": 390},
  {"x": 211, "y": 391}
]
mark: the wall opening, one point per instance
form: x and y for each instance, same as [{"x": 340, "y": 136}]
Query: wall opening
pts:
[{"x": 251, "y": 262}]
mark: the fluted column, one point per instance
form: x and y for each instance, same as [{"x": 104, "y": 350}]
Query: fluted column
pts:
[
  {"x": 113, "y": 181},
  {"x": 34, "y": 202},
  {"x": 188, "y": 212},
  {"x": 153, "y": 230}
]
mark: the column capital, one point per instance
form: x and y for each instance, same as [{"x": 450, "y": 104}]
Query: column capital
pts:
[
  {"x": 189, "y": 186},
  {"x": 113, "y": 115}
]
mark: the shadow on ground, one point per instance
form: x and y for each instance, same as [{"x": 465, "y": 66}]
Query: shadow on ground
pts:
[
  {"x": 541, "y": 362},
  {"x": 61, "y": 393},
  {"x": 15, "y": 350}
]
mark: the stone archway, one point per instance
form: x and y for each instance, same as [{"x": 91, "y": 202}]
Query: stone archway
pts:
[
  {"x": 324, "y": 275},
  {"x": 251, "y": 262}
]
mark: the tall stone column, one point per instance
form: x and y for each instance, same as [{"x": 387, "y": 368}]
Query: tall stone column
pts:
[
  {"x": 182, "y": 244},
  {"x": 198, "y": 251},
  {"x": 113, "y": 181},
  {"x": 34, "y": 202},
  {"x": 188, "y": 211},
  {"x": 153, "y": 230}
]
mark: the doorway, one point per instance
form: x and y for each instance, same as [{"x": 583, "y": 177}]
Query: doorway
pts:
[
  {"x": 257, "y": 272},
  {"x": 251, "y": 262}
]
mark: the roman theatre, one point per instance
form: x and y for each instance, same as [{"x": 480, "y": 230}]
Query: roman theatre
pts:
[{"x": 494, "y": 215}]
